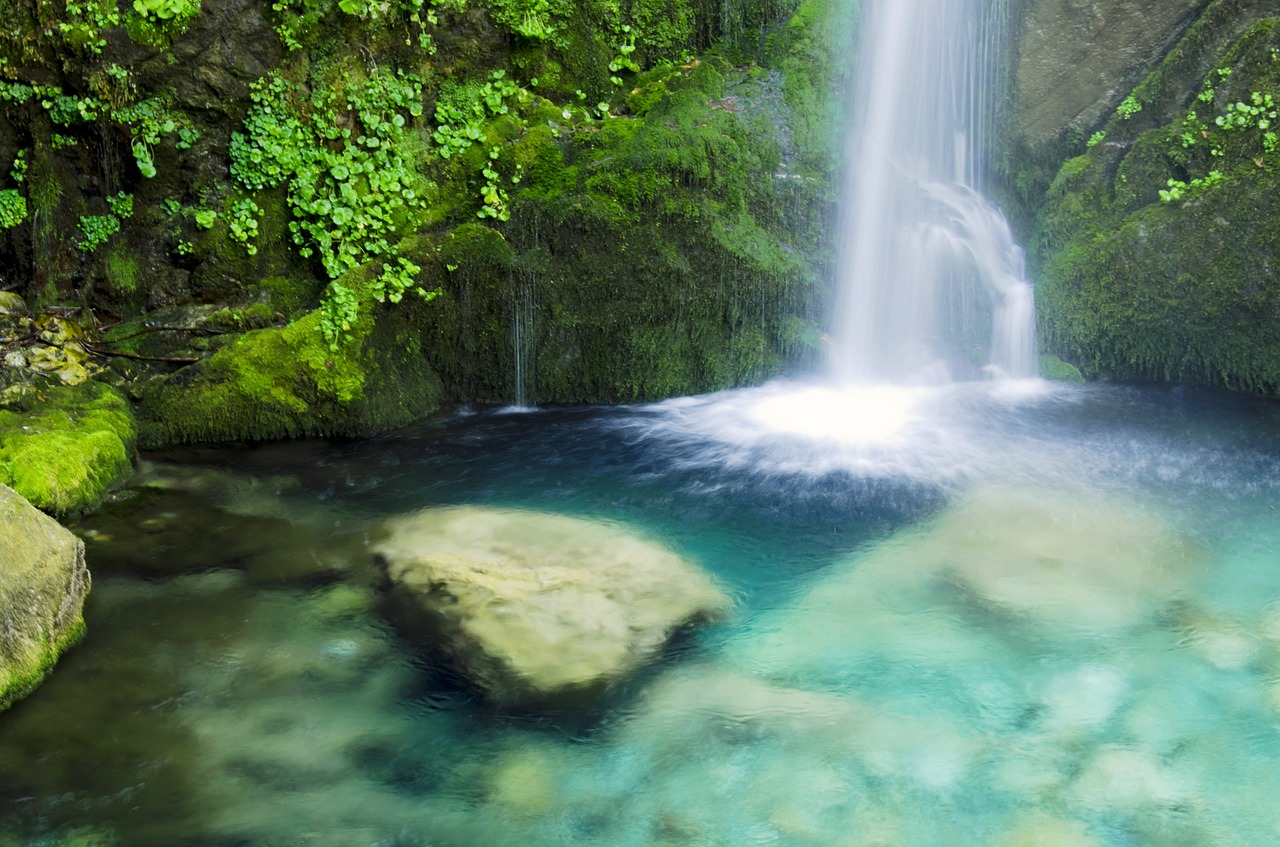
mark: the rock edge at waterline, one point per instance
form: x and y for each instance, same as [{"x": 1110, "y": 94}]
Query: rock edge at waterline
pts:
[{"x": 43, "y": 585}]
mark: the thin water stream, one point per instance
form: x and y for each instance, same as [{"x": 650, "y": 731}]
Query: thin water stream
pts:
[{"x": 988, "y": 614}]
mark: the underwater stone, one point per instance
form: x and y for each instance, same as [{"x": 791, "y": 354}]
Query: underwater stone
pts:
[
  {"x": 1130, "y": 782},
  {"x": 1043, "y": 830},
  {"x": 43, "y": 583},
  {"x": 532, "y": 606}
]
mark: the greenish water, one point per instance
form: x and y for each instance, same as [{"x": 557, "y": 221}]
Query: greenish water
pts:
[{"x": 966, "y": 616}]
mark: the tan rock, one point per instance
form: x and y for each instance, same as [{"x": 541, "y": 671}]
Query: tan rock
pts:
[
  {"x": 535, "y": 605},
  {"x": 1059, "y": 563},
  {"x": 1079, "y": 562},
  {"x": 1042, "y": 830},
  {"x": 43, "y": 583}
]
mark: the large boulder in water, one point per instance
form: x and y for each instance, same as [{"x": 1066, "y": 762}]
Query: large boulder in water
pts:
[
  {"x": 532, "y": 606},
  {"x": 43, "y": 583},
  {"x": 1001, "y": 563}
]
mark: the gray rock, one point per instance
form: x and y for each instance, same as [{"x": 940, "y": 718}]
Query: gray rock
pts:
[
  {"x": 43, "y": 584},
  {"x": 535, "y": 606},
  {"x": 1078, "y": 60}
]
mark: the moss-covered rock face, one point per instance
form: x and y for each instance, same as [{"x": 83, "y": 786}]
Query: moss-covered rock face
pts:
[
  {"x": 43, "y": 583},
  {"x": 672, "y": 251},
  {"x": 64, "y": 447},
  {"x": 603, "y": 201},
  {"x": 1157, "y": 249},
  {"x": 287, "y": 382}
]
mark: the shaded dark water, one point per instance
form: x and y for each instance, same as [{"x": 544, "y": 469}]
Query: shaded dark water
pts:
[{"x": 966, "y": 616}]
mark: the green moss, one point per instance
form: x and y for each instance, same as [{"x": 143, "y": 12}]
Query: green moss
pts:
[
  {"x": 813, "y": 53},
  {"x": 1055, "y": 369},
  {"x": 647, "y": 256},
  {"x": 1135, "y": 288},
  {"x": 22, "y": 681},
  {"x": 123, "y": 271},
  {"x": 286, "y": 383},
  {"x": 253, "y": 316},
  {"x": 63, "y": 448}
]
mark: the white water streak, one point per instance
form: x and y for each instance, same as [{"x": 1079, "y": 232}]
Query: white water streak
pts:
[{"x": 925, "y": 260}]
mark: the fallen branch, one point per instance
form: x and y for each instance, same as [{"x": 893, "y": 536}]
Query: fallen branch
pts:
[
  {"x": 114, "y": 354},
  {"x": 150, "y": 329}
]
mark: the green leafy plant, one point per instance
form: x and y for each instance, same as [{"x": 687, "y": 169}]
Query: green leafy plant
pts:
[
  {"x": 533, "y": 19},
  {"x": 493, "y": 196},
  {"x": 397, "y": 279},
  {"x": 626, "y": 46},
  {"x": 19, "y": 169},
  {"x": 151, "y": 121},
  {"x": 13, "y": 208},
  {"x": 1095, "y": 139},
  {"x": 462, "y": 112},
  {"x": 345, "y": 156},
  {"x": 96, "y": 230},
  {"x": 167, "y": 10},
  {"x": 1129, "y": 107},
  {"x": 243, "y": 224},
  {"x": 1177, "y": 189},
  {"x": 84, "y": 21},
  {"x": 1258, "y": 113},
  {"x": 297, "y": 19},
  {"x": 121, "y": 205},
  {"x": 339, "y": 311}
]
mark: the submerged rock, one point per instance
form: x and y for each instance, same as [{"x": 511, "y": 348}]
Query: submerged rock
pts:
[
  {"x": 1083, "y": 563},
  {"x": 534, "y": 605},
  {"x": 43, "y": 583},
  {"x": 1042, "y": 830}
]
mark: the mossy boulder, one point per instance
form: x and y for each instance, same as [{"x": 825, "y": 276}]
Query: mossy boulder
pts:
[
  {"x": 289, "y": 382},
  {"x": 1156, "y": 251},
  {"x": 65, "y": 447},
  {"x": 43, "y": 584},
  {"x": 535, "y": 607}
]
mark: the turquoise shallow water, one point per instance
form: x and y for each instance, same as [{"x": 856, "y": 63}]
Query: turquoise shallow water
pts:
[{"x": 966, "y": 616}]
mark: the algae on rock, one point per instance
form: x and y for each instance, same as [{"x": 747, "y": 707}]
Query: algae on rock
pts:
[
  {"x": 65, "y": 447},
  {"x": 43, "y": 584},
  {"x": 286, "y": 382}
]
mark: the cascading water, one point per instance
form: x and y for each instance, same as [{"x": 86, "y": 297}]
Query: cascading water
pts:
[{"x": 931, "y": 283}]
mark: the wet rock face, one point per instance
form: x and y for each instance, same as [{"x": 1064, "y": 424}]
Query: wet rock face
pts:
[
  {"x": 534, "y": 606},
  {"x": 43, "y": 583},
  {"x": 1077, "y": 60}
]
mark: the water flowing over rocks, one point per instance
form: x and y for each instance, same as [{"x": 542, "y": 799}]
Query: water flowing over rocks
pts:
[
  {"x": 532, "y": 605},
  {"x": 43, "y": 583}
]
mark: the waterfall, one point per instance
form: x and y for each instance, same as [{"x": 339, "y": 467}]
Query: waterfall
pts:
[
  {"x": 931, "y": 285},
  {"x": 522, "y": 340}
]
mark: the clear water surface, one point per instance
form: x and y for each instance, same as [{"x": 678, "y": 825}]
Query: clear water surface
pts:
[{"x": 970, "y": 615}]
